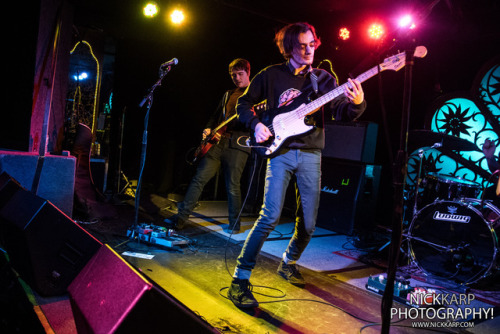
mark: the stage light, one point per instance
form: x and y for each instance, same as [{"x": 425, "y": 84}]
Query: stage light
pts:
[
  {"x": 150, "y": 9},
  {"x": 407, "y": 22},
  {"x": 344, "y": 34},
  {"x": 376, "y": 31},
  {"x": 82, "y": 76},
  {"x": 177, "y": 16}
]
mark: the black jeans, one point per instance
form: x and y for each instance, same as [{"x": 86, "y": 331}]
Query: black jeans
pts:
[{"x": 233, "y": 163}]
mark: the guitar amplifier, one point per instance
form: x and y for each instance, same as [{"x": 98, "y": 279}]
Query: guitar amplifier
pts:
[
  {"x": 99, "y": 172},
  {"x": 349, "y": 193},
  {"x": 354, "y": 141}
]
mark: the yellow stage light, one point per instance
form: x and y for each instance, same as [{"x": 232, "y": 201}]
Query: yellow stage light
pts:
[
  {"x": 150, "y": 9},
  {"x": 177, "y": 16}
]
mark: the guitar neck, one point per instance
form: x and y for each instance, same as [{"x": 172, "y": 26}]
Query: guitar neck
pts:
[
  {"x": 223, "y": 124},
  {"x": 394, "y": 63},
  {"x": 321, "y": 101}
]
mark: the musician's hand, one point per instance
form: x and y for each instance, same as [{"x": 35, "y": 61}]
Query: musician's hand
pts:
[
  {"x": 354, "y": 94},
  {"x": 205, "y": 133},
  {"x": 262, "y": 133},
  {"x": 489, "y": 149}
]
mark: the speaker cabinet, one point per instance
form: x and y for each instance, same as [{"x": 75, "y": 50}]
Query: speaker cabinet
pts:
[
  {"x": 110, "y": 296},
  {"x": 349, "y": 193},
  {"x": 44, "y": 246},
  {"x": 99, "y": 172},
  {"x": 356, "y": 141}
]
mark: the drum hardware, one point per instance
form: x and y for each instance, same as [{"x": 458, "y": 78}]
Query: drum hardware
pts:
[
  {"x": 416, "y": 196},
  {"x": 455, "y": 240},
  {"x": 419, "y": 180},
  {"x": 446, "y": 187},
  {"x": 423, "y": 138},
  {"x": 497, "y": 191}
]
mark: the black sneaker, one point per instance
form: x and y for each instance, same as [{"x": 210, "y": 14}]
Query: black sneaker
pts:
[
  {"x": 233, "y": 228},
  {"x": 240, "y": 293},
  {"x": 291, "y": 273},
  {"x": 175, "y": 222}
]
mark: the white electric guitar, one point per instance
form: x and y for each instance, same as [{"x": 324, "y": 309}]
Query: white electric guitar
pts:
[{"x": 287, "y": 122}]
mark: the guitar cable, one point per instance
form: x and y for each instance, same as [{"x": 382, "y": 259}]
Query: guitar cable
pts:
[{"x": 247, "y": 143}]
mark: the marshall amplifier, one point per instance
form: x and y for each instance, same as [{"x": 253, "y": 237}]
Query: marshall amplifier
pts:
[
  {"x": 354, "y": 141},
  {"x": 349, "y": 192}
]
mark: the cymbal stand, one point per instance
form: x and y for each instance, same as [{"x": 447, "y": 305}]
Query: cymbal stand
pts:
[
  {"x": 418, "y": 181},
  {"x": 415, "y": 204}
]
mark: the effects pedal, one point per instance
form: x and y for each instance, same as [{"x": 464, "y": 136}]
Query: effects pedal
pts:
[
  {"x": 156, "y": 235},
  {"x": 377, "y": 284}
]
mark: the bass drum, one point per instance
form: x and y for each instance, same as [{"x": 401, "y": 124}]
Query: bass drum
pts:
[{"x": 456, "y": 240}]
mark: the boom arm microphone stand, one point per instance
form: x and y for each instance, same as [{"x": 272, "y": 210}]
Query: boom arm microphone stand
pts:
[{"x": 149, "y": 100}]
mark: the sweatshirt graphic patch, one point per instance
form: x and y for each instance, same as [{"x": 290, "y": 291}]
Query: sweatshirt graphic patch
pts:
[{"x": 288, "y": 95}]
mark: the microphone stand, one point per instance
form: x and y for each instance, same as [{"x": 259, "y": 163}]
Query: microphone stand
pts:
[
  {"x": 149, "y": 100},
  {"x": 399, "y": 179}
]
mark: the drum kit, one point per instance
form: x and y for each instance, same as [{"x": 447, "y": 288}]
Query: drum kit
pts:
[{"x": 453, "y": 233}]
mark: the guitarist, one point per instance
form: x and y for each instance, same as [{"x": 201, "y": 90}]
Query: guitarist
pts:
[
  {"x": 225, "y": 152},
  {"x": 278, "y": 84}
]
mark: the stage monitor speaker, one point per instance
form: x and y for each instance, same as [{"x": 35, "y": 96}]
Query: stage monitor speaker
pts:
[
  {"x": 44, "y": 246},
  {"x": 349, "y": 193},
  {"x": 356, "y": 141},
  {"x": 110, "y": 296},
  {"x": 55, "y": 175}
]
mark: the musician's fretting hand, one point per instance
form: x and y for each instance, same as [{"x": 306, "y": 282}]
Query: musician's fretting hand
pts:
[
  {"x": 354, "y": 94},
  {"x": 262, "y": 133},
  {"x": 205, "y": 133}
]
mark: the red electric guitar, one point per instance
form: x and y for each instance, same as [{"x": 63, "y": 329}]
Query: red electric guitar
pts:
[{"x": 212, "y": 139}]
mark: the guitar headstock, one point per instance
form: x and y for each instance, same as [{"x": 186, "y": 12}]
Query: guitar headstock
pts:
[{"x": 398, "y": 61}]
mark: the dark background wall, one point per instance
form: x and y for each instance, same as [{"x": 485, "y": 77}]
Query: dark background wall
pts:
[{"x": 460, "y": 37}]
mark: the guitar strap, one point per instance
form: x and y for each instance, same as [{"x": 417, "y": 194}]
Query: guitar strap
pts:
[
  {"x": 224, "y": 111},
  {"x": 314, "y": 81}
]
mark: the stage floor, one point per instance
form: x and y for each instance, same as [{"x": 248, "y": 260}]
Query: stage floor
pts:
[{"x": 334, "y": 300}]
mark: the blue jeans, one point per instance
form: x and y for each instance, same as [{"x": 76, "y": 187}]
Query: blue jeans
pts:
[
  {"x": 233, "y": 163},
  {"x": 306, "y": 165}
]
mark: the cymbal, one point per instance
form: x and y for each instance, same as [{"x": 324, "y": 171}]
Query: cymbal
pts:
[{"x": 422, "y": 138}]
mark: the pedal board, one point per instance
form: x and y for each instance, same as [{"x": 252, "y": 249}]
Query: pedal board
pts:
[
  {"x": 403, "y": 292},
  {"x": 402, "y": 288},
  {"x": 156, "y": 235},
  {"x": 377, "y": 284}
]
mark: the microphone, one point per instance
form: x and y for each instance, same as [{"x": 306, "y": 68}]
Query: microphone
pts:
[{"x": 171, "y": 62}]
